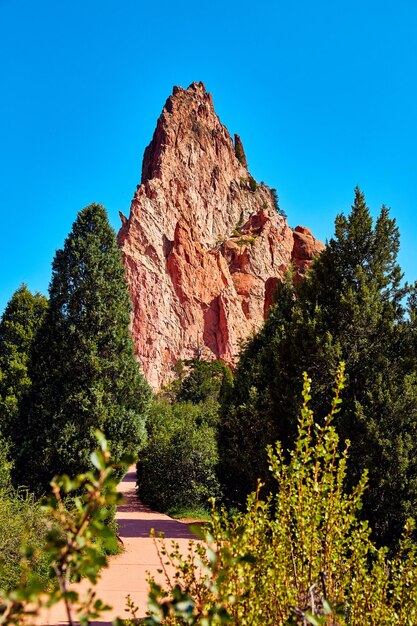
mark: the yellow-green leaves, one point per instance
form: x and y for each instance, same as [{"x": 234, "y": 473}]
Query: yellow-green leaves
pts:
[
  {"x": 301, "y": 555},
  {"x": 78, "y": 532}
]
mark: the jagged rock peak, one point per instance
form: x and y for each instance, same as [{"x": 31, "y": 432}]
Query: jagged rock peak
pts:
[
  {"x": 188, "y": 125},
  {"x": 195, "y": 102},
  {"x": 204, "y": 245}
]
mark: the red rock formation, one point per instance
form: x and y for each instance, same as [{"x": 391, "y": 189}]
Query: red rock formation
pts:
[{"x": 204, "y": 244}]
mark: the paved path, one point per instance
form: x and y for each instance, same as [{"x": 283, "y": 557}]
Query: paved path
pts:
[{"x": 126, "y": 573}]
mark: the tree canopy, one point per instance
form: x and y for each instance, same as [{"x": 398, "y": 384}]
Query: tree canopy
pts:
[
  {"x": 19, "y": 323},
  {"x": 83, "y": 368},
  {"x": 350, "y": 307}
]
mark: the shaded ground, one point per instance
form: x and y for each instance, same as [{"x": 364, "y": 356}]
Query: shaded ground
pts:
[{"x": 126, "y": 573}]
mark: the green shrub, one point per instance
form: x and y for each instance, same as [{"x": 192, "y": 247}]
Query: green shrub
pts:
[
  {"x": 72, "y": 546},
  {"x": 274, "y": 195},
  {"x": 240, "y": 152},
  {"x": 252, "y": 184},
  {"x": 205, "y": 381},
  {"x": 300, "y": 556},
  {"x": 246, "y": 241},
  {"x": 21, "y": 522},
  {"x": 177, "y": 467},
  {"x": 246, "y": 181},
  {"x": 5, "y": 466}
]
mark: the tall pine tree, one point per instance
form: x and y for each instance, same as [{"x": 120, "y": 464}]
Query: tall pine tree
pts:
[
  {"x": 19, "y": 323},
  {"x": 83, "y": 369},
  {"x": 349, "y": 307}
]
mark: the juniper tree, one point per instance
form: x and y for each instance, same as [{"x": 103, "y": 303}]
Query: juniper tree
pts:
[
  {"x": 206, "y": 381},
  {"x": 349, "y": 307},
  {"x": 83, "y": 369},
  {"x": 19, "y": 323}
]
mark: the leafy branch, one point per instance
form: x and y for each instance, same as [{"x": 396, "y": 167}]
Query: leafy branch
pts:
[{"x": 76, "y": 514}]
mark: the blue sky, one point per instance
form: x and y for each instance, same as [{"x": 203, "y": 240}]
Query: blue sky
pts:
[{"x": 323, "y": 95}]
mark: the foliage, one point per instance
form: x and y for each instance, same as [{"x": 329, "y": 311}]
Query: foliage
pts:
[
  {"x": 21, "y": 520},
  {"x": 206, "y": 380},
  {"x": 196, "y": 513},
  {"x": 5, "y": 466},
  {"x": 246, "y": 241},
  {"x": 239, "y": 152},
  {"x": 177, "y": 467},
  {"x": 301, "y": 556},
  {"x": 71, "y": 547},
  {"x": 248, "y": 182},
  {"x": 275, "y": 199},
  {"x": 350, "y": 307},
  {"x": 83, "y": 368},
  {"x": 19, "y": 323},
  {"x": 253, "y": 185}
]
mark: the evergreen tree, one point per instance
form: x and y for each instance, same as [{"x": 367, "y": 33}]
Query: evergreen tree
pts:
[
  {"x": 349, "y": 307},
  {"x": 206, "y": 381},
  {"x": 84, "y": 372},
  {"x": 19, "y": 323}
]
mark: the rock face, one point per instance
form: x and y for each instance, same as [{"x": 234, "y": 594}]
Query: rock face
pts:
[{"x": 204, "y": 245}]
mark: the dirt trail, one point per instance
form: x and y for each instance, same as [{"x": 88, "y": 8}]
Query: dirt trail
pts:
[{"x": 126, "y": 573}]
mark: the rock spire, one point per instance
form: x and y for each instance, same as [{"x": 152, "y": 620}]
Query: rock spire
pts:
[{"x": 204, "y": 244}]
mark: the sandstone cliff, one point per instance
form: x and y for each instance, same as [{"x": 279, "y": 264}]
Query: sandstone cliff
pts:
[{"x": 204, "y": 244}]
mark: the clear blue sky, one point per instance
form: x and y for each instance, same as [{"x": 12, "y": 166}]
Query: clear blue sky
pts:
[{"x": 323, "y": 95}]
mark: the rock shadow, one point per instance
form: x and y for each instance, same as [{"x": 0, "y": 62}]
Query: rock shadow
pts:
[{"x": 211, "y": 325}]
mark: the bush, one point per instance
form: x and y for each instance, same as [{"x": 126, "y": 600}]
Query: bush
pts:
[
  {"x": 248, "y": 182},
  {"x": 21, "y": 522},
  {"x": 177, "y": 468},
  {"x": 206, "y": 381},
  {"x": 300, "y": 556},
  {"x": 72, "y": 547},
  {"x": 240, "y": 152},
  {"x": 253, "y": 185}
]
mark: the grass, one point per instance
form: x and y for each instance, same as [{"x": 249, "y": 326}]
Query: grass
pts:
[{"x": 194, "y": 513}]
